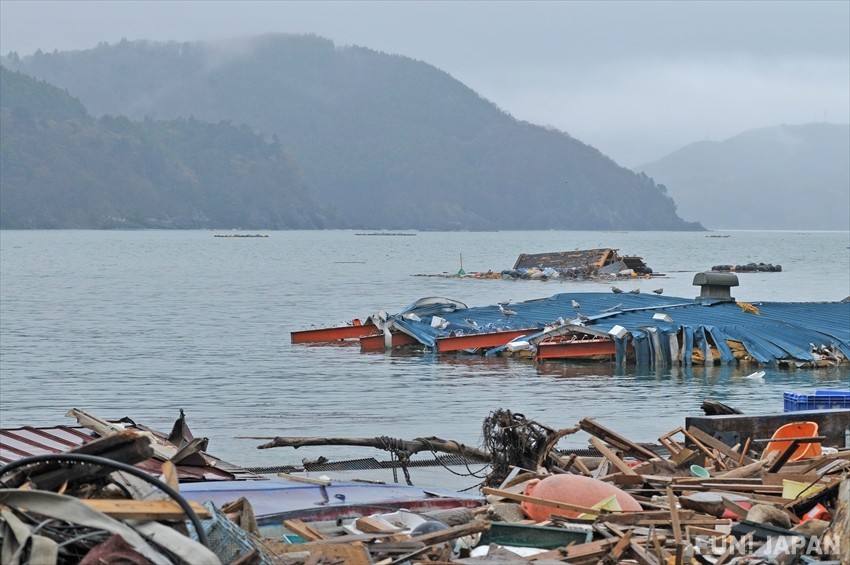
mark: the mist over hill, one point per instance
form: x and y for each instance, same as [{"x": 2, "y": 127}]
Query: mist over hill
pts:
[
  {"x": 61, "y": 168},
  {"x": 387, "y": 141},
  {"x": 777, "y": 178}
]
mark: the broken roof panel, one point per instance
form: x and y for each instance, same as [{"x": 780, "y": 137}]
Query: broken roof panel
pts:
[
  {"x": 566, "y": 259},
  {"x": 770, "y": 331}
]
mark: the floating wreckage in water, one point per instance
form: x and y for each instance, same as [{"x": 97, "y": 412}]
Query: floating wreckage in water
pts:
[
  {"x": 578, "y": 264},
  {"x": 634, "y": 328},
  {"x": 241, "y": 235},
  {"x": 749, "y": 268}
]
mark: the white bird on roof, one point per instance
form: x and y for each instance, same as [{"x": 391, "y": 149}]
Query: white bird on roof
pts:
[
  {"x": 635, "y": 291},
  {"x": 506, "y": 311},
  {"x": 616, "y": 290},
  {"x": 658, "y": 290},
  {"x": 576, "y": 304}
]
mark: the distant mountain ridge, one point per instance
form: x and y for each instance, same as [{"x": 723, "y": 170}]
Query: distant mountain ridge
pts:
[
  {"x": 783, "y": 177},
  {"x": 386, "y": 141},
  {"x": 61, "y": 168}
]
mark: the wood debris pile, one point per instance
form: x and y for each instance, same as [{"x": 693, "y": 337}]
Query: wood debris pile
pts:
[
  {"x": 745, "y": 509},
  {"x": 689, "y": 499}
]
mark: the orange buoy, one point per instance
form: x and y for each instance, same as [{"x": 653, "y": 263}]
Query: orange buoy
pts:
[{"x": 572, "y": 489}]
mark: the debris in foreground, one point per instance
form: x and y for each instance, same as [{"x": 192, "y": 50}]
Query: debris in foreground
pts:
[{"x": 691, "y": 498}]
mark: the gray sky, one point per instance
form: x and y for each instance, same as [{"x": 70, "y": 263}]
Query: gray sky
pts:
[{"x": 636, "y": 80}]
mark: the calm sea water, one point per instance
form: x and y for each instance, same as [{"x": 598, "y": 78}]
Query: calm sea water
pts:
[{"x": 141, "y": 324}]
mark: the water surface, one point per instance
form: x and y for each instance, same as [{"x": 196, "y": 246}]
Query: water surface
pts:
[{"x": 143, "y": 323}]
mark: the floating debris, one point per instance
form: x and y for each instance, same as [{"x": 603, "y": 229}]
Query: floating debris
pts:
[
  {"x": 240, "y": 235},
  {"x": 565, "y": 265},
  {"x": 749, "y": 268},
  {"x": 394, "y": 234},
  {"x": 624, "y": 327}
]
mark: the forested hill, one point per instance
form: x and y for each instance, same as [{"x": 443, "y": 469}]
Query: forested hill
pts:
[
  {"x": 389, "y": 141},
  {"x": 777, "y": 178},
  {"x": 61, "y": 168}
]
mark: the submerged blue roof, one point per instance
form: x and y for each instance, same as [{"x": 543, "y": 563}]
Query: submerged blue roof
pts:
[{"x": 770, "y": 331}]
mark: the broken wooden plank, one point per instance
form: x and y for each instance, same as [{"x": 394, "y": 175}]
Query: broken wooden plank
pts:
[
  {"x": 685, "y": 522},
  {"x": 150, "y": 510},
  {"x": 633, "y": 518},
  {"x": 764, "y": 489},
  {"x": 693, "y": 531},
  {"x": 433, "y": 538},
  {"x": 743, "y": 458},
  {"x": 353, "y": 553},
  {"x": 734, "y": 507},
  {"x": 617, "y": 551},
  {"x": 642, "y": 556},
  {"x": 371, "y": 525},
  {"x": 612, "y": 457},
  {"x": 578, "y": 553},
  {"x": 595, "y": 429},
  {"x": 674, "y": 516},
  {"x": 784, "y": 456},
  {"x": 837, "y": 538},
  {"x": 817, "y": 462},
  {"x": 162, "y": 450},
  {"x": 715, "y": 443},
  {"x": 169, "y": 475},
  {"x": 708, "y": 453},
  {"x": 304, "y": 530},
  {"x": 745, "y": 471}
]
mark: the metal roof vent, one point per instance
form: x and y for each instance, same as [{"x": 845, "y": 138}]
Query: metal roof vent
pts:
[{"x": 716, "y": 286}]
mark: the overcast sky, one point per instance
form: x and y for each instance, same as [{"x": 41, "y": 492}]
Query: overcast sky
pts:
[{"x": 636, "y": 80}]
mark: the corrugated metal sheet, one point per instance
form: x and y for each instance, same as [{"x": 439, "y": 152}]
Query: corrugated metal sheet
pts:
[
  {"x": 779, "y": 331},
  {"x": 27, "y": 441}
]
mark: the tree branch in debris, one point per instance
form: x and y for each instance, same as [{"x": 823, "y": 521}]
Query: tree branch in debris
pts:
[{"x": 429, "y": 444}]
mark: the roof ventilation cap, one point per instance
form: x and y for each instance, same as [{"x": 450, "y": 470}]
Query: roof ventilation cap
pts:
[{"x": 716, "y": 286}]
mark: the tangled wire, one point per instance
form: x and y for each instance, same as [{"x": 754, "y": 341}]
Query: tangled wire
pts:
[{"x": 514, "y": 441}]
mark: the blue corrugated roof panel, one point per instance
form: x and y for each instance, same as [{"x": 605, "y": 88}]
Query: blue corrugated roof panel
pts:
[{"x": 771, "y": 331}]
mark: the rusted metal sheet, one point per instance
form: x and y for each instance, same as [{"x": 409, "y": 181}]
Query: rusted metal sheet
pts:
[
  {"x": 327, "y": 335},
  {"x": 475, "y": 341},
  {"x": 376, "y": 342},
  {"x": 27, "y": 441},
  {"x": 580, "y": 348}
]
